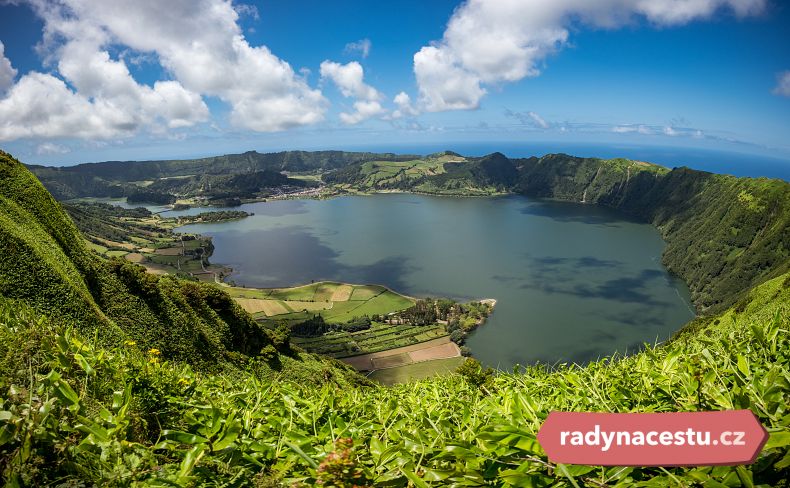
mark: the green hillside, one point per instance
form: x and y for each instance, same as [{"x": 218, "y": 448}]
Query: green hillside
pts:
[
  {"x": 724, "y": 234},
  {"x": 45, "y": 263},
  {"x": 118, "y": 178},
  {"x": 444, "y": 173},
  {"x": 113, "y": 377},
  {"x": 118, "y": 416}
]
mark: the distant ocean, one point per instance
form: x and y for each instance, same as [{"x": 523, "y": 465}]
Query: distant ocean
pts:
[{"x": 733, "y": 163}]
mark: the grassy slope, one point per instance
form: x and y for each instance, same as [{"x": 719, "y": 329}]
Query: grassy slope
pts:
[
  {"x": 45, "y": 262},
  {"x": 451, "y": 430}
]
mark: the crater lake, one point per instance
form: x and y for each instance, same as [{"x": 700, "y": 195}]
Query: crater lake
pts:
[{"x": 573, "y": 282}]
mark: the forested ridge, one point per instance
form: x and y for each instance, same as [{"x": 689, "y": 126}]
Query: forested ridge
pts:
[{"x": 114, "y": 178}]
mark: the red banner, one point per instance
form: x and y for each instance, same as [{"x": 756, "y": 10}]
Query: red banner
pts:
[{"x": 653, "y": 439}]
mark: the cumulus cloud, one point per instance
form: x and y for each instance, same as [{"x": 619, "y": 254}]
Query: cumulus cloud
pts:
[
  {"x": 405, "y": 107},
  {"x": 7, "y": 72},
  {"x": 498, "y": 41},
  {"x": 200, "y": 45},
  {"x": 361, "y": 46},
  {"x": 349, "y": 79},
  {"x": 363, "y": 110},
  {"x": 782, "y": 82}
]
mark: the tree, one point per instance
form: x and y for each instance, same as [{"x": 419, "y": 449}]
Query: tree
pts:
[{"x": 475, "y": 375}]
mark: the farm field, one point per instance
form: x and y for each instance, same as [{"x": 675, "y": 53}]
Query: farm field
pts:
[
  {"x": 416, "y": 371},
  {"x": 335, "y": 302},
  {"x": 380, "y": 337},
  {"x": 435, "y": 348}
]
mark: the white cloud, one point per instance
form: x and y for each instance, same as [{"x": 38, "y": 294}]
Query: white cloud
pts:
[
  {"x": 538, "y": 120},
  {"x": 498, "y": 41},
  {"x": 361, "y": 46},
  {"x": 670, "y": 130},
  {"x": 641, "y": 129},
  {"x": 201, "y": 46},
  {"x": 7, "y": 72},
  {"x": 782, "y": 83},
  {"x": 41, "y": 105},
  {"x": 530, "y": 118},
  {"x": 405, "y": 107},
  {"x": 48, "y": 148},
  {"x": 443, "y": 83},
  {"x": 349, "y": 79},
  {"x": 363, "y": 110}
]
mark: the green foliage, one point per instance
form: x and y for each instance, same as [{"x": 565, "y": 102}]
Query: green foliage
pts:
[
  {"x": 109, "y": 222},
  {"x": 118, "y": 178},
  {"x": 421, "y": 313},
  {"x": 77, "y": 412},
  {"x": 312, "y": 327},
  {"x": 438, "y": 174},
  {"x": 219, "y": 216},
  {"x": 357, "y": 324},
  {"x": 149, "y": 196},
  {"x": 474, "y": 374},
  {"x": 135, "y": 392},
  {"x": 46, "y": 263}
]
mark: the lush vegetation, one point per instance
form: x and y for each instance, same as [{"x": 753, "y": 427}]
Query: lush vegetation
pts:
[
  {"x": 112, "y": 376},
  {"x": 445, "y": 173},
  {"x": 341, "y": 320},
  {"x": 106, "y": 224},
  {"x": 150, "y": 196},
  {"x": 46, "y": 263},
  {"x": 724, "y": 234},
  {"x": 148, "y": 239},
  {"x": 218, "y": 216},
  {"x": 338, "y": 341},
  {"x": 114, "y": 416},
  {"x": 119, "y": 178}
]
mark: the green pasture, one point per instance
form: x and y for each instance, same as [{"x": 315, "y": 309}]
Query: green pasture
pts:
[{"x": 315, "y": 298}]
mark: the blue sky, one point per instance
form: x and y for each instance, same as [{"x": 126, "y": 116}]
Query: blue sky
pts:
[{"x": 84, "y": 80}]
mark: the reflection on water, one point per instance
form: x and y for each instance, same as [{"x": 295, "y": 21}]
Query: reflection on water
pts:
[{"x": 573, "y": 282}]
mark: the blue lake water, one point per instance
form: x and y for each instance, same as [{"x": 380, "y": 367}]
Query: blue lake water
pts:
[{"x": 573, "y": 282}]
